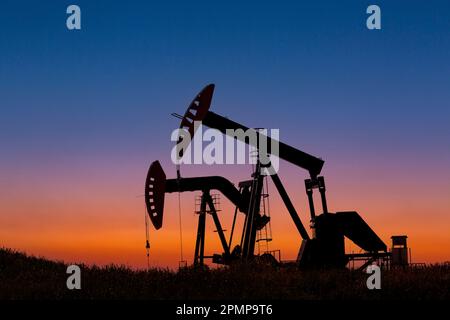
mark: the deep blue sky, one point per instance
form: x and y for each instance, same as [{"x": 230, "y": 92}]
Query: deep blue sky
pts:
[{"x": 311, "y": 69}]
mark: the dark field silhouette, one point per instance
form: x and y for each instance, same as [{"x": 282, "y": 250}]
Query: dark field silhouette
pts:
[{"x": 24, "y": 277}]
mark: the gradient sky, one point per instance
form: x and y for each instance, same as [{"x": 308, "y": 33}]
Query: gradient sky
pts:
[{"x": 83, "y": 114}]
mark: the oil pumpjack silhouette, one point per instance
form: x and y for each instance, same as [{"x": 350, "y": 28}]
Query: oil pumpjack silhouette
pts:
[{"x": 324, "y": 249}]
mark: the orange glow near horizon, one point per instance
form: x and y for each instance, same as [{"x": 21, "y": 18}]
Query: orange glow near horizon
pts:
[{"x": 102, "y": 222}]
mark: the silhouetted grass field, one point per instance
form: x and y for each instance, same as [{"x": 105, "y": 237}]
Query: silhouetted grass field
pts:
[{"x": 24, "y": 277}]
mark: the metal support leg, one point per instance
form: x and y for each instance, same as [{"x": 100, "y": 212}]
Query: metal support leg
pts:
[
  {"x": 217, "y": 223},
  {"x": 232, "y": 227},
  {"x": 287, "y": 202},
  {"x": 200, "y": 242},
  {"x": 253, "y": 212}
]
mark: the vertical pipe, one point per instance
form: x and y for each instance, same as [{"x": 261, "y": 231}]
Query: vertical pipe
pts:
[
  {"x": 324, "y": 200},
  {"x": 312, "y": 211},
  {"x": 322, "y": 190}
]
